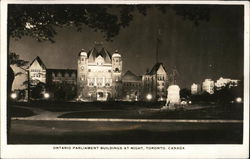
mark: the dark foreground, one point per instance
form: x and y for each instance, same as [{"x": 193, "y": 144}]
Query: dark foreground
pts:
[
  {"x": 98, "y": 132},
  {"x": 58, "y": 123}
]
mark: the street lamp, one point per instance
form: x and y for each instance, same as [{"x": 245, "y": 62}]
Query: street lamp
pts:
[
  {"x": 238, "y": 100},
  {"x": 46, "y": 95},
  {"x": 13, "y": 95},
  {"x": 149, "y": 97}
]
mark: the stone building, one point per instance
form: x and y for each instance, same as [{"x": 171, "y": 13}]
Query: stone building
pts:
[
  {"x": 99, "y": 74},
  {"x": 155, "y": 82},
  {"x": 208, "y": 86},
  {"x": 222, "y": 82},
  {"x": 131, "y": 87},
  {"x": 61, "y": 83},
  {"x": 37, "y": 71},
  {"x": 195, "y": 88}
]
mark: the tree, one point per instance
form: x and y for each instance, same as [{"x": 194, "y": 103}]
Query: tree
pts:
[
  {"x": 37, "y": 90},
  {"x": 185, "y": 93},
  {"x": 15, "y": 60},
  {"x": 39, "y": 21}
]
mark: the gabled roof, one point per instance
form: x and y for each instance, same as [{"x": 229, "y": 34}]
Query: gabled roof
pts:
[
  {"x": 131, "y": 76},
  {"x": 156, "y": 68},
  {"x": 39, "y": 61},
  {"x": 99, "y": 50}
]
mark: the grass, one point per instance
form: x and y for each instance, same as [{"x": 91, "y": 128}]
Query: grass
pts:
[
  {"x": 20, "y": 112},
  {"x": 136, "y": 110},
  {"x": 78, "y": 106},
  {"x": 234, "y": 112}
]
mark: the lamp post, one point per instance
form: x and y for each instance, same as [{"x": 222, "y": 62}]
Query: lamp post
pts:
[
  {"x": 13, "y": 95},
  {"x": 46, "y": 95},
  {"x": 149, "y": 97}
]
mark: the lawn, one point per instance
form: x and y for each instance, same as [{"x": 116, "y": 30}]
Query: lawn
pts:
[
  {"x": 135, "y": 110},
  {"x": 215, "y": 112},
  {"x": 20, "y": 112}
]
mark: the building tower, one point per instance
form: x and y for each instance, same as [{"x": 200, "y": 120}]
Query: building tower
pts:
[
  {"x": 82, "y": 71},
  {"x": 117, "y": 74}
]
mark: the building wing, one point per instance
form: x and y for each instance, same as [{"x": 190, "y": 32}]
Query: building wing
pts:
[{"x": 130, "y": 76}]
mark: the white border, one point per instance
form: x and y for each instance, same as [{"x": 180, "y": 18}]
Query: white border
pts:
[{"x": 191, "y": 151}]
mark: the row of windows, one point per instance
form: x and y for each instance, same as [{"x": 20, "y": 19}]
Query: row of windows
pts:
[
  {"x": 99, "y": 79},
  {"x": 132, "y": 84},
  {"x": 160, "y": 78},
  {"x": 99, "y": 84},
  {"x": 36, "y": 70},
  {"x": 64, "y": 81},
  {"x": 160, "y": 84},
  {"x": 37, "y": 75},
  {"x": 73, "y": 75},
  {"x": 89, "y": 70}
]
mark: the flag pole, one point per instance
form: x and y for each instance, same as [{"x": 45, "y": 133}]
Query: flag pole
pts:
[{"x": 156, "y": 58}]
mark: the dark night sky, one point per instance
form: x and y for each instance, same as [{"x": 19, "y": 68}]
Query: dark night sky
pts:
[{"x": 211, "y": 49}]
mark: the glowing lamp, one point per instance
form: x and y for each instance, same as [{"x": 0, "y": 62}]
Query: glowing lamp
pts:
[
  {"x": 238, "y": 100},
  {"x": 13, "y": 95},
  {"x": 149, "y": 97},
  {"x": 46, "y": 95}
]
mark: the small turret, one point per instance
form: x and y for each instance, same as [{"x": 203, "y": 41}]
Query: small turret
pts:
[
  {"x": 82, "y": 53},
  {"x": 116, "y": 62}
]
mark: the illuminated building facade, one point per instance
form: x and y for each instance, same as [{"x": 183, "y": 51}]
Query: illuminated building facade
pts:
[
  {"x": 208, "y": 86},
  {"x": 131, "y": 87},
  {"x": 99, "y": 75},
  {"x": 156, "y": 82},
  {"x": 222, "y": 82},
  {"x": 195, "y": 88}
]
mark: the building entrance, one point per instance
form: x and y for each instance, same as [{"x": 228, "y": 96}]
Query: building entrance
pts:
[{"x": 101, "y": 96}]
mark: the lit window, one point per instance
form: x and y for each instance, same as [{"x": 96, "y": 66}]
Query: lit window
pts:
[
  {"x": 117, "y": 70},
  {"x": 107, "y": 84}
]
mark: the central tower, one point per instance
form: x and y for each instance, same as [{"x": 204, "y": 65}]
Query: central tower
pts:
[{"x": 99, "y": 74}]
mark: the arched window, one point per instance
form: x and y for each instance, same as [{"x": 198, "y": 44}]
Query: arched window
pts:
[
  {"x": 73, "y": 75},
  {"x": 59, "y": 74},
  {"x": 117, "y": 70},
  {"x": 66, "y": 75}
]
